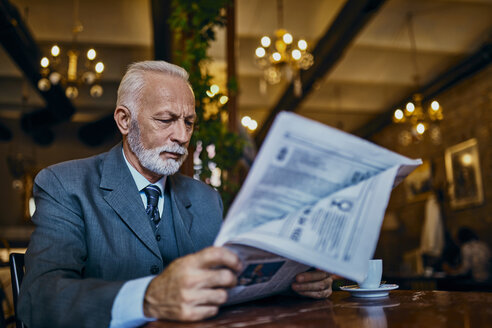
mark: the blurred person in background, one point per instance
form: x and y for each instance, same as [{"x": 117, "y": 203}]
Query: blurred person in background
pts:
[{"x": 475, "y": 257}]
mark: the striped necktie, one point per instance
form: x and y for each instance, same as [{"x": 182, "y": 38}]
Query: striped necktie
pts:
[{"x": 153, "y": 192}]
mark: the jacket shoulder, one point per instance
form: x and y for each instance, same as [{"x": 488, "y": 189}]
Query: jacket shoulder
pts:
[{"x": 73, "y": 170}]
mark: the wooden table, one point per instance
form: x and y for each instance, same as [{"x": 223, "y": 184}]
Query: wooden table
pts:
[
  {"x": 401, "y": 308},
  {"x": 437, "y": 282}
]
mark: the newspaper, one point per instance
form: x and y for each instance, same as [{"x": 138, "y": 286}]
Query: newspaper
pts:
[{"x": 315, "y": 197}]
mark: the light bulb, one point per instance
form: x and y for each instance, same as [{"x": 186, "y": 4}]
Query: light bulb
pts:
[
  {"x": 44, "y": 84},
  {"x": 99, "y": 67},
  {"x": 55, "y": 50},
  {"x": 245, "y": 120},
  {"x": 223, "y": 100},
  {"x": 72, "y": 92},
  {"x": 45, "y": 62},
  {"x": 435, "y": 105},
  {"x": 398, "y": 114},
  {"x": 420, "y": 128},
  {"x": 252, "y": 125},
  {"x": 260, "y": 52},
  {"x": 55, "y": 78},
  {"x": 466, "y": 159},
  {"x": 272, "y": 75},
  {"x": 302, "y": 44},
  {"x": 287, "y": 38},
  {"x": 214, "y": 88},
  {"x": 410, "y": 107},
  {"x": 276, "y": 56},
  {"x": 91, "y": 54},
  {"x": 96, "y": 91},
  {"x": 89, "y": 78},
  {"x": 296, "y": 54},
  {"x": 265, "y": 41}
]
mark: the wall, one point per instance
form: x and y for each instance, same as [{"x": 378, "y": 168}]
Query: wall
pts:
[
  {"x": 467, "y": 114},
  {"x": 67, "y": 146}
]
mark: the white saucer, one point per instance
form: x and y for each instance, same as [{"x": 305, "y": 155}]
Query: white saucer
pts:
[{"x": 356, "y": 291}]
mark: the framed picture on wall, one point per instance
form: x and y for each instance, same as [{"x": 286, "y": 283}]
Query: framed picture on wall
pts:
[
  {"x": 463, "y": 174},
  {"x": 418, "y": 184}
]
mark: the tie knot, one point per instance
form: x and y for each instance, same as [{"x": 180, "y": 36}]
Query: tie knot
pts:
[{"x": 153, "y": 192}]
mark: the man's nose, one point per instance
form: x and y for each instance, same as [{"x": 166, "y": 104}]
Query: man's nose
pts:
[{"x": 180, "y": 133}]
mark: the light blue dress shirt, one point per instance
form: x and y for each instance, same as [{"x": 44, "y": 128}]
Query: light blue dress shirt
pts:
[{"x": 127, "y": 308}]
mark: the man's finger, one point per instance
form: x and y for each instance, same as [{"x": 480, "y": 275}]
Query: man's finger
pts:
[
  {"x": 213, "y": 278},
  {"x": 217, "y": 257},
  {"x": 313, "y": 286},
  {"x": 206, "y": 297},
  {"x": 312, "y": 276}
]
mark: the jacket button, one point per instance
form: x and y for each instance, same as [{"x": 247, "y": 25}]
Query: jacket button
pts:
[
  {"x": 158, "y": 237},
  {"x": 154, "y": 269}
]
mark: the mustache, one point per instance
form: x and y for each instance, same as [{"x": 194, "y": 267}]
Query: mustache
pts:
[{"x": 172, "y": 148}]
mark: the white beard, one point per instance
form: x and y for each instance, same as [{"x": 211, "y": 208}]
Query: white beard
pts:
[{"x": 150, "y": 158}]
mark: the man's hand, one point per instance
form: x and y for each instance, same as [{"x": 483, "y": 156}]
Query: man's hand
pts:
[
  {"x": 192, "y": 287},
  {"x": 314, "y": 284}
]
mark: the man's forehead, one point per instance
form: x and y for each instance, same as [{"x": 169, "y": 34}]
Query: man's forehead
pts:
[
  {"x": 176, "y": 112},
  {"x": 161, "y": 77},
  {"x": 167, "y": 88}
]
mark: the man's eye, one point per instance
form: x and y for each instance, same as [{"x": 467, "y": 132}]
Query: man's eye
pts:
[
  {"x": 166, "y": 121},
  {"x": 189, "y": 123}
]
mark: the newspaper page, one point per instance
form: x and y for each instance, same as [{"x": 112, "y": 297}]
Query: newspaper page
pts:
[{"x": 315, "y": 197}]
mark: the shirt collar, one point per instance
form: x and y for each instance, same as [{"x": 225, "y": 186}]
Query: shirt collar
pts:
[{"x": 140, "y": 180}]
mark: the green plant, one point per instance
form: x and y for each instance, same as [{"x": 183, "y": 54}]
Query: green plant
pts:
[{"x": 194, "y": 23}]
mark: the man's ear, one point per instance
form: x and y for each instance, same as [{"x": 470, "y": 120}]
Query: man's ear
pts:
[{"x": 122, "y": 117}]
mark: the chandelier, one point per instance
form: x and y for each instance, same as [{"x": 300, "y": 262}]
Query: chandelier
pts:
[
  {"x": 283, "y": 57},
  {"x": 72, "y": 74},
  {"x": 420, "y": 120}
]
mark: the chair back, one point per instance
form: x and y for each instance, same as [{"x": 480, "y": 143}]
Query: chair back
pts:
[
  {"x": 16, "y": 274},
  {"x": 3, "y": 297}
]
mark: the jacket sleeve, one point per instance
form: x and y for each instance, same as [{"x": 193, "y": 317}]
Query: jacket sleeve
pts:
[{"x": 54, "y": 292}]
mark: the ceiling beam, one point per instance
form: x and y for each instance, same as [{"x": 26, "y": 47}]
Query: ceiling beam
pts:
[
  {"x": 351, "y": 19},
  {"x": 24, "y": 51},
  {"x": 163, "y": 36},
  {"x": 464, "y": 69}
]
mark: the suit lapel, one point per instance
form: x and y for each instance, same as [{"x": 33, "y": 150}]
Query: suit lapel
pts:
[
  {"x": 181, "y": 216},
  {"x": 123, "y": 195}
]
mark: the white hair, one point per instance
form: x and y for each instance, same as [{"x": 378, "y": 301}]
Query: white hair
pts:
[{"x": 130, "y": 89}]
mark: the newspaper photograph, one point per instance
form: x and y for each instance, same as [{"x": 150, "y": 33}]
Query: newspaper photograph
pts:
[{"x": 315, "y": 197}]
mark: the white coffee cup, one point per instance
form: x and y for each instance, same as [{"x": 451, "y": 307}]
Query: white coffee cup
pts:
[{"x": 374, "y": 274}]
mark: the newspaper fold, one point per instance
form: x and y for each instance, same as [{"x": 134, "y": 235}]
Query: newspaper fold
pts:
[{"x": 315, "y": 197}]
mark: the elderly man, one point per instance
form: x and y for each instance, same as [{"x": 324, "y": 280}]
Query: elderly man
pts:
[{"x": 120, "y": 238}]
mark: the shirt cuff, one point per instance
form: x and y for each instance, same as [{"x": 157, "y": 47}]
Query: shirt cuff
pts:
[{"x": 127, "y": 308}]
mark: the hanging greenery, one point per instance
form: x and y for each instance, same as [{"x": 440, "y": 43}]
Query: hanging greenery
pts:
[{"x": 194, "y": 23}]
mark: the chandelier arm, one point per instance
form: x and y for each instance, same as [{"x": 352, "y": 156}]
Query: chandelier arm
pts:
[
  {"x": 413, "y": 46},
  {"x": 77, "y": 24},
  {"x": 280, "y": 14}
]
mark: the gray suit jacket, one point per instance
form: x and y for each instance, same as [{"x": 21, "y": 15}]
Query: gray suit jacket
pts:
[{"x": 92, "y": 234}]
